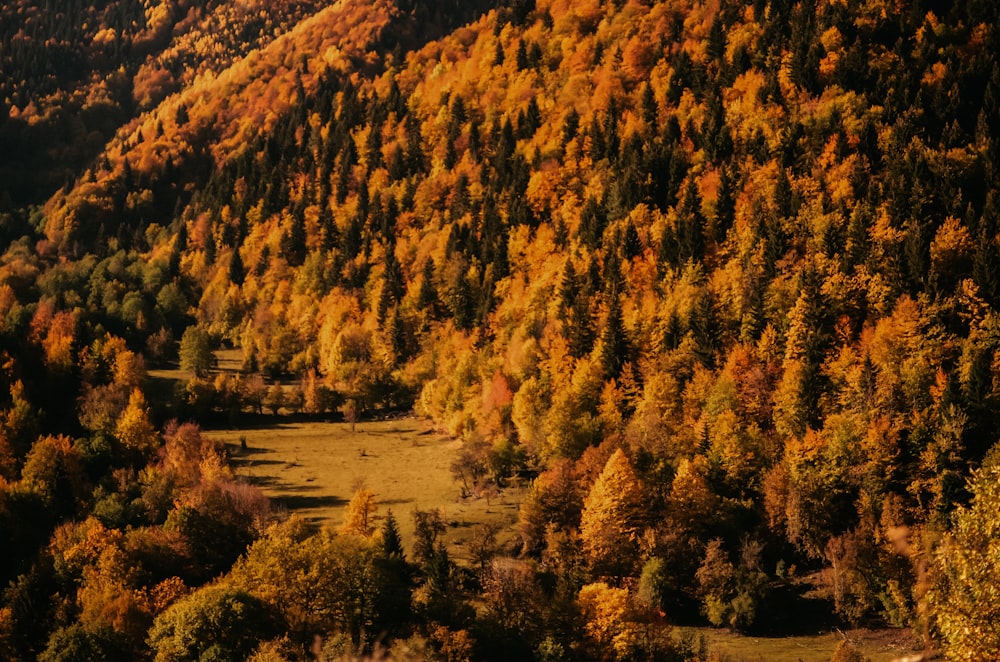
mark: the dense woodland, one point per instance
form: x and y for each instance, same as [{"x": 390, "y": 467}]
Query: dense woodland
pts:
[{"x": 718, "y": 280}]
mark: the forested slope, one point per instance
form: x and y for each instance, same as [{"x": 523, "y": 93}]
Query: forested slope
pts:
[{"x": 719, "y": 279}]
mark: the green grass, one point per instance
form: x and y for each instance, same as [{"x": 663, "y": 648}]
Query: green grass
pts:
[{"x": 313, "y": 468}]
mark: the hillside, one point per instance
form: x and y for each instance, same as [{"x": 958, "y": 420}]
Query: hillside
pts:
[{"x": 720, "y": 280}]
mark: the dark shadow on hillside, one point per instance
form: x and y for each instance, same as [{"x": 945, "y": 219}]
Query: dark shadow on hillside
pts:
[
  {"x": 294, "y": 487},
  {"x": 161, "y": 393},
  {"x": 391, "y": 432}
]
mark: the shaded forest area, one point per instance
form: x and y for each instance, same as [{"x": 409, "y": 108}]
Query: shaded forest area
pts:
[{"x": 719, "y": 279}]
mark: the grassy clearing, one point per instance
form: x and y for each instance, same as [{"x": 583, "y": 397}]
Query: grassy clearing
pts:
[
  {"x": 313, "y": 468},
  {"x": 877, "y": 645}
]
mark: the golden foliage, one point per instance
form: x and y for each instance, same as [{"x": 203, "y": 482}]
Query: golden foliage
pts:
[
  {"x": 612, "y": 518},
  {"x": 134, "y": 429}
]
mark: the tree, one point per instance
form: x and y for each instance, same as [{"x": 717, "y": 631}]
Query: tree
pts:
[
  {"x": 612, "y": 518},
  {"x": 360, "y": 516},
  {"x": 77, "y": 643},
  {"x": 607, "y": 620},
  {"x": 690, "y": 224},
  {"x": 392, "y": 542},
  {"x": 614, "y": 349},
  {"x": 964, "y": 600},
  {"x": 275, "y": 398},
  {"x": 214, "y": 623},
  {"x": 512, "y": 594},
  {"x": 318, "y": 583},
  {"x": 134, "y": 429},
  {"x": 730, "y": 593},
  {"x": 716, "y": 583},
  {"x": 53, "y": 471},
  {"x": 196, "y": 351},
  {"x": 554, "y": 499},
  {"x": 395, "y": 599},
  {"x": 186, "y": 452}
]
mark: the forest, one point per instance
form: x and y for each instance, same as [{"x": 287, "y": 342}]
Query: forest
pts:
[{"x": 717, "y": 281}]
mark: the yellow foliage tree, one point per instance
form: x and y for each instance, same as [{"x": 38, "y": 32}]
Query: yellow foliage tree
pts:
[
  {"x": 360, "y": 516},
  {"x": 134, "y": 429},
  {"x": 964, "y": 596},
  {"x": 691, "y": 504},
  {"x": 606, "y": 611},
  {"x": 612, "y": 518},
  {"x": 53, "y": 470}
]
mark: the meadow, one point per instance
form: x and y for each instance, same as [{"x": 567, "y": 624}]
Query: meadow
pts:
[
  {"x": 877, "y": 645},
  {"x": 313, "y": 468}
]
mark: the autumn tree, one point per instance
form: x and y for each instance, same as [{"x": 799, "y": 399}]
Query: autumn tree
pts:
[
  {"x": 77, "y": 643},
  {"x": 612, "y": 518},
  {"x": 360, "y": 516},
  {"x": 513, "y": 596},
  {"x": 212, "y": 623},
  {"x": 318, "y": 582},
  {"x": 608, "y": 620},
  {"x": 134, "y": 430},
  {"x": 963, "y": 600},
  {"x": 554, "y": 500},
  {"x": 53, "y": 471},
  {"x": 730, "y": 593}
]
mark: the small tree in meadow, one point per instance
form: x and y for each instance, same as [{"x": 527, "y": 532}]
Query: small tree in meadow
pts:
[{"x": 196, "y": 351}]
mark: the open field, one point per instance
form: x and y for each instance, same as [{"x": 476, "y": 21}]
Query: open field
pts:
[
  {"x": 876, "y": 645},
  {"x": 312, "y": 468}
]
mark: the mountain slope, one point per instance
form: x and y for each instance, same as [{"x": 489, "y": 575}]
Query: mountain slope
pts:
[{"x": 74, "y": 74}]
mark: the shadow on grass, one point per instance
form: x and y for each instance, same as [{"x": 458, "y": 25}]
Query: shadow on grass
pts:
[
  {"x": 276, "y": 483},
  {"x": 303, "y": 501},
  {"x": 238, "y": 451},
  {"x": 394, "y": 502},
  {"x": 393, "y": 431},
  {"x": 250, "y": 464},
  {"x": 262, "y": 481},
  {"x": 246, "y": 420}
]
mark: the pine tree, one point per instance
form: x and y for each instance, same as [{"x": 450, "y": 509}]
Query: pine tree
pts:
[
  {"x": 690, "y": 224},
  {"x": 236, "y": 271},
  {"x": 293, "y": 241},
  {"x": 613, "y": 344},
  {"x": 392, "y": 542}
]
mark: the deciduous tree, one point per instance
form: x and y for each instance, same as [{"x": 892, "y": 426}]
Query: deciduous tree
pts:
[
  {"x": 964, "y": 600},
  {"x": 214, "y": 623},
  {"x": 196, "y": 351},
  {"x": 612, "y": 518}
]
